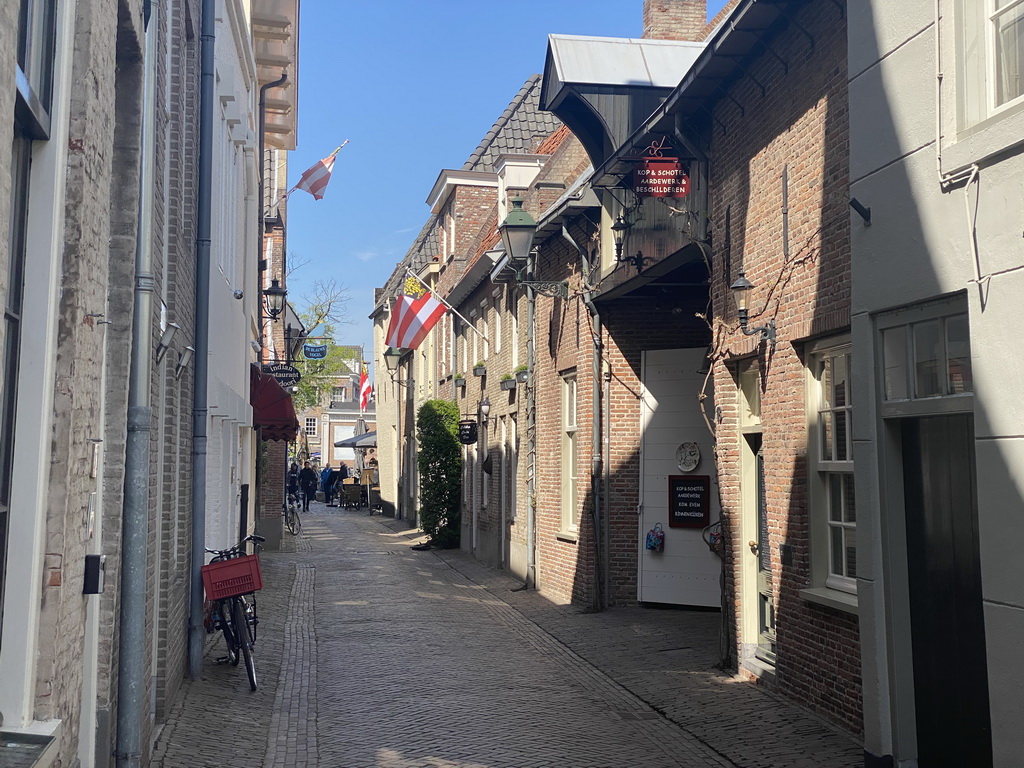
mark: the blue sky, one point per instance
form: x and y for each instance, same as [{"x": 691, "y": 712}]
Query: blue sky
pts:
[{"x": 414, "y": 86}]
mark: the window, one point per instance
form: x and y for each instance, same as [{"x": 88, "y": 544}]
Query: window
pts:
[
  {"x": 570, "y": 489},
  {"x": 311, "y": 427},
  {"x": 831, "y": 460},
  {"x": 497, "y": 325},
  {"x": 928, "y": 358},
  {"x": 991, "y": 43},
  {"x": 34, "y": 82}
]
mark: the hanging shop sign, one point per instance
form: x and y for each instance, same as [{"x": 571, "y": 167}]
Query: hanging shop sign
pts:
[
  {"x": 660, "y": 177},
  {"x": 286, "y": 375},
  {"x": 314, "y": 351},
  {"x": 689, "y": 501},
  {"x": 467, "y": 431}
]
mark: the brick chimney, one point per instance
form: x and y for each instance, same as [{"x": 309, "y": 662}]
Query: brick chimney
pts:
[{"x": 675, "y": 19}]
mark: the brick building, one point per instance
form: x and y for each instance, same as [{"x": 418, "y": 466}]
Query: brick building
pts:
[
  {"x": 763, "y": 440},
  {"x": 645, "y": 404},
  {"x": 97, "y": 425}
]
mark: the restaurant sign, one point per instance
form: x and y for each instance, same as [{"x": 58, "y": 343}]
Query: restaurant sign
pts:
[
  {"x": 660, "y": 177},
  {"x": 286, "y": 375},
  {"x": 314, "y": 351}
]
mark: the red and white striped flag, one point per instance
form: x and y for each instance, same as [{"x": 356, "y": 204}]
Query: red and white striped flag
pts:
[
  {"x": 412, "y": 319},
  {"x": 365, "y": 390},
  {"x": 315, "y": 180}
]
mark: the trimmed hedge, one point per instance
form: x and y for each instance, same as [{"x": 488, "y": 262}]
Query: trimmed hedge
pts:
[{"x": 440, "y": 469}]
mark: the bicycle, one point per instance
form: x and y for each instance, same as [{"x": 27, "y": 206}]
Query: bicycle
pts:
[
  {"x": 291, "y": 515},
  {"x": 232, "y": 579}
]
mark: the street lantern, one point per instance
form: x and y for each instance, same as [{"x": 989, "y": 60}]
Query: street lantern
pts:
[
  {"x": 391, "y": 359},
  {"x": 485, "y": 407},
  {"x": 741, "y": 289},
  {"x": 274, "y": 296},
  {"x": 517, "y": 231}
]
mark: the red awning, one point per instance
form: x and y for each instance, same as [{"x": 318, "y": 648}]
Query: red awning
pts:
[{"x": 272, "y": 409}]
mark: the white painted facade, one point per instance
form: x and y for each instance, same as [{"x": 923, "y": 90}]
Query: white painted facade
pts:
[{"x": 939, "y": 162}]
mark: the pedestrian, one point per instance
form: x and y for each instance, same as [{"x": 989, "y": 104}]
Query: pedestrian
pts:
[
  {"x": 325, "y": 479},
  {"x": 293, "y": 482},
  {"x": 307, "y": 480}
]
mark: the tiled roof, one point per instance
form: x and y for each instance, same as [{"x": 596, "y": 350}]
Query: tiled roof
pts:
[{"x": 521, "y": 129}]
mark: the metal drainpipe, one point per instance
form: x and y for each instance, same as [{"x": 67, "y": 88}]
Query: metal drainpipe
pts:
[
  {"x": 531, "y": 433},
  {"x": 597, "y": 459},
  {"x": 131, "y": 665},
  {"x": 200, "y": 396}
]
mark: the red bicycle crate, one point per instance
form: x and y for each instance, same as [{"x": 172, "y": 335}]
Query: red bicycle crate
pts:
[{"x": 228, "y": 578}]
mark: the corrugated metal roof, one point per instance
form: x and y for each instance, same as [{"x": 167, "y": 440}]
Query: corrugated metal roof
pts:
[
  {"x": 521, "y": 129},
  {"x": 621, "y": 61}
]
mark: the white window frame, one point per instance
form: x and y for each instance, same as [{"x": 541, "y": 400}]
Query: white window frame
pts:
[
  {"x": 825, "y": 469},
  {"x": 311, "y": 422},
  {"x": 497, "y": 321},
  {"x": 570, "y": 452},
  {"x": 992, "y": 64}
]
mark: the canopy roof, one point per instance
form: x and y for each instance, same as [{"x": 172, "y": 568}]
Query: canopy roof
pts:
[{"x": 272, "y": 408}]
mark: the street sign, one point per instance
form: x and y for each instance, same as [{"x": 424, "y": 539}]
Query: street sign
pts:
[
  {"x": 314, "y": 351},
  {"x": 467, "y": 431},
  {"x": 286, "y": 375},
  {"x": 660, "y": 177}
]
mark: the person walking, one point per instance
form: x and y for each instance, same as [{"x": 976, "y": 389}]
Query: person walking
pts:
[
  {"x": 293, "y": 482},
  {"x": 325, "y": 479},
  {"x": 307, "y": 480}
]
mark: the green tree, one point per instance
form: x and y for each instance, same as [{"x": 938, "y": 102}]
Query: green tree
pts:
[
  {"x": 440, "y": 469},
  {"x": 322, "y": 311}
]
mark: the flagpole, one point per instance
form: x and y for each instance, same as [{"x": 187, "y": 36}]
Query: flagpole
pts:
[{"x": 455, "y": 312}]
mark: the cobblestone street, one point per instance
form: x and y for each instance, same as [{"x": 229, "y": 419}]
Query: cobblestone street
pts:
[{"x": 374, "y": 655}]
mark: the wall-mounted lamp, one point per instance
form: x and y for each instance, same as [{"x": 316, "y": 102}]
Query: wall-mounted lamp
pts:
[
  {"x": 184, "y": 360},
  {"x": 165, "y": 341},
  {"x": 392, "y": 360},
  {"x": 741, "y": 292},
  {"x": 485, "y": 408},
  {"x": 274, "y": 298},
  {"x": 619, "y": 228},
  {"x": 517, "y": 231}
]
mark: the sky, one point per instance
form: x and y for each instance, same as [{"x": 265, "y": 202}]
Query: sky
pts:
[{"x": 413, "y": 85}]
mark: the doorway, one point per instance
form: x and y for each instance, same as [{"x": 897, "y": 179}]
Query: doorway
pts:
[
  {"x": 947, "y": 622},
  {"x": 676, "y": 449}
]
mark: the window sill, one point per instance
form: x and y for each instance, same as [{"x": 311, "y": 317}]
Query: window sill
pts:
[
  {"x": 997, "y": 134},
  {"x": 571, "y": 537},
  {"x": 833, "y": 598}
]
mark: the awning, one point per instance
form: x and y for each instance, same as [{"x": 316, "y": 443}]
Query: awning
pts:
[
  {"x": 272, "y": 408},
  {"x": 365, "y": 440}
]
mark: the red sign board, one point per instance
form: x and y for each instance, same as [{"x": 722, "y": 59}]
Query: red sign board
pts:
[{"x": 660, "y": 177}]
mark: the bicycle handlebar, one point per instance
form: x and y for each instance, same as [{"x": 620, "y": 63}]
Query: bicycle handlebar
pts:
[{"x": 239, "y": 547}]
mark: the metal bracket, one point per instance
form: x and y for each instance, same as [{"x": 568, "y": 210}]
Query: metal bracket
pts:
[{"x": 554, "y": 289}]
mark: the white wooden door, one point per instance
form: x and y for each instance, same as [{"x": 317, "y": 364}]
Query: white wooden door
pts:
[{"x": 686, "y": 572}]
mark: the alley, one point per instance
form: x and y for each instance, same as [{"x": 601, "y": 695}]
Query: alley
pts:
[{"x": 375, "y": 655}]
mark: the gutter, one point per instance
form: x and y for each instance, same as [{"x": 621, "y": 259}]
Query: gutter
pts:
[
  {"x": 200, "y": 395},
  {"x": 131, "y": 662}
]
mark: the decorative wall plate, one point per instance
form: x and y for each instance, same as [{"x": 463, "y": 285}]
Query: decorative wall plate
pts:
[{"x": 688, "y": 456}]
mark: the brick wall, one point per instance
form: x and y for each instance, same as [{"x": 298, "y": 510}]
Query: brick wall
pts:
[
  {"x": 100, "y": 226},
  {"x": 674, "y": 19},
  {"x": 799, "y": 124}
]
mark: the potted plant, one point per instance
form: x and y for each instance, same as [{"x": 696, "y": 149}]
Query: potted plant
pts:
[
  {"x": 522, "y": 373},
  {"x": 459, "y": 379},
  {"x": 508, "y": 382},
  {"x": 480, "y": 369}
]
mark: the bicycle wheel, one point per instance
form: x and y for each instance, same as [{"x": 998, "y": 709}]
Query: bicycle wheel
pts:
[
  {"x": 291, "y": 521},
  {"x": 227, "y": 625},
  {"x": 245, "y": 643},
  {"x": 251, "y": 620}
]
